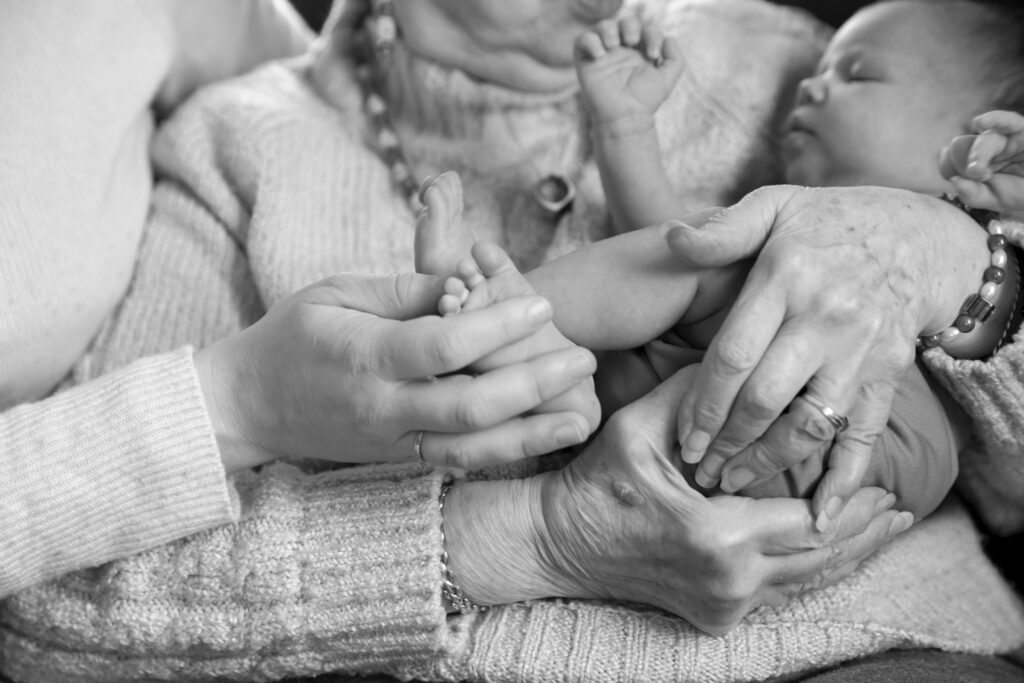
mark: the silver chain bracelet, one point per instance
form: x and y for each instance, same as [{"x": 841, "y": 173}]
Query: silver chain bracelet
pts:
[{"x": 450, "y": 590}]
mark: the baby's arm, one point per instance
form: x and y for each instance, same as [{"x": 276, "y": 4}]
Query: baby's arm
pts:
[
  {"x": 626, "y": 290},
  {"x": 626, "y": 71},
  {"x": 987, "y": 169}
]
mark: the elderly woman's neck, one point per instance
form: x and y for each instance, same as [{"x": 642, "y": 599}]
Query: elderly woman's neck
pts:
[{"x": 524, "y": 44}]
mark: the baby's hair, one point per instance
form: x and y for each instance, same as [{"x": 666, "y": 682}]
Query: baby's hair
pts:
[{"x": 996, "y": 34}]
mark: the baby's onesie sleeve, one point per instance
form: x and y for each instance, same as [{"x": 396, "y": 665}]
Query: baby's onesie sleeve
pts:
[
  {"x": 915, "y": 457},
  {"x": 108, "y": 469}
]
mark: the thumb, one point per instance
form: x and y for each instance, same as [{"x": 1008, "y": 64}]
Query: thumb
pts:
[
  {"x": 397, "y": 296},
  {"x": 727, "y": 235}
]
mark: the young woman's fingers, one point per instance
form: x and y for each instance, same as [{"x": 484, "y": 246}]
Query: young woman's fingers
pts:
[
  {"x": 431, "y": 345},
  {"x": 464, "y": 403},
  {"x": 512, "y": 440}
]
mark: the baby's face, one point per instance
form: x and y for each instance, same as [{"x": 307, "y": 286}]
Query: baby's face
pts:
[{"x": 894, "y": 86}]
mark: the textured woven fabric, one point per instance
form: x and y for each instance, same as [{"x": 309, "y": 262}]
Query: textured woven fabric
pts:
[{"x": 267, "y": 186}]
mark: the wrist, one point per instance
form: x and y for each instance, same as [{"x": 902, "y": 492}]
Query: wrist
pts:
[
  {"x": 984, "y": 316},
  {"x": 623, "y": 127},
  {"x": 491, "y": 537},
  {"x": 219, "y": 386}
]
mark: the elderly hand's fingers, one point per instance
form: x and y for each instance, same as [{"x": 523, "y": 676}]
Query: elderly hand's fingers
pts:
[
  {"x": 433, "y": 345},
  {"x": 515, "y": 439},
  {"x": 588, "y": 47},
  {"x": 732, "y": 357},
  {"x": 827, "y": 566},
  {"x": 793, "y": 438},
  {"x": 461, "y": 403},
  {"x": 728, "y": 235},
  {"x": 787, "y": 365},
  {"x": 852, "y": 452}
]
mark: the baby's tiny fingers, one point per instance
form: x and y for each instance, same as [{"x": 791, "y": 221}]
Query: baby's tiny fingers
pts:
[
  {"x": 630, "y": 30},
  {"x": 609, "y": 32},
  {"x": 589, "y": 47},
  {"x": 653, "y": 38}
]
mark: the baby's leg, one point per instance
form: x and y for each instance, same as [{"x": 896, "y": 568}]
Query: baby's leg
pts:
[
  {"x": 442, "y": 237},
  {"x": 489, "y": 277}
]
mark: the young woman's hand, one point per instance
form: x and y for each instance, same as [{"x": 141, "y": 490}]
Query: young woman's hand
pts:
[{"x": 345, "y": 370}]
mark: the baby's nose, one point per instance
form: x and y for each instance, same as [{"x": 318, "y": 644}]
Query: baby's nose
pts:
[{"x": 811, "y": 90}]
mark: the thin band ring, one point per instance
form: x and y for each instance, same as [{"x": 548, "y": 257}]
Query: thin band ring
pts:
[
  {"x": 417, "y": 446},
  {"x": 838, "y": 422}
]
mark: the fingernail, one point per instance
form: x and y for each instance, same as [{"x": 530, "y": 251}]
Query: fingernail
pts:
[
  {"x": 582, "y": 365},
  {"x": 538, "y": 312},
  {"x": 885, "y": 502},
  {"x": 737, "y": 479},
  {"x": 695, "y": 445},
  {"x": 568, "y": 435},
  {"x": 822, "y": 522},
  {"x": 833, "y": 506},
  {"x": 704, "y": 480},
  {"x": 901, "y": 523}
]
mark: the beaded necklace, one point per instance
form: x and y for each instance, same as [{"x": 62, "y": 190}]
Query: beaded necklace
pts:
[{"x": 554, "y": 192}]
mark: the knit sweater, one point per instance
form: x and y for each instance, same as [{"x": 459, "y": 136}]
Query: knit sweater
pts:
[
  {"x": 124, "y": 464},
  {"x": 268, "y": 186}
]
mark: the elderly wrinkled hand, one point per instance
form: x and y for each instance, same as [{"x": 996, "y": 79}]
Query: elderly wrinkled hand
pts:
[
  {"x": 354, "y": 369},
  {"x": 844, "y": 281},
  {"x": 621, "y": 522}
]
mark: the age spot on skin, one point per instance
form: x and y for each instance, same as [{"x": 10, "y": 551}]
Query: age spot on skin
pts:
[{"x": 627, "y": 494}]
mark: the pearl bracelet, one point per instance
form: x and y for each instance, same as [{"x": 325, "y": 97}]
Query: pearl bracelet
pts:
[
  {"x": 979, "y": 306},
  {"x": 450, "y": 590}
]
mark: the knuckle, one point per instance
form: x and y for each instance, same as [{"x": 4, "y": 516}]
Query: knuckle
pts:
[
  {"x": 762, "y": 402},
  {"x": 457, "y": 454},
  {"x": 734, "y": 358},
  {"x": 449, "y": 351},
  {"x": 469, "y": 414},
  {"x": 814, "y": 425}
]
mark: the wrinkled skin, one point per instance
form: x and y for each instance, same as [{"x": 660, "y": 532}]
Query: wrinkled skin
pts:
[{"x": 620, "y": 522}]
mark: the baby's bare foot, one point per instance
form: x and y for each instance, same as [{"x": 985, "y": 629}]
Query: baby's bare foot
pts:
[
  {"x": 442, "y": 237},
  {"x": 489, "y": 277}
]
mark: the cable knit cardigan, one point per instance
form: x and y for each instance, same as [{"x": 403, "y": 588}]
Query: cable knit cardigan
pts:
[{"x": 268, "y": 185}]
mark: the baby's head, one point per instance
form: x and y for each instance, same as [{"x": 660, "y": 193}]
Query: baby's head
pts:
[{"x": 897, "y": 82}]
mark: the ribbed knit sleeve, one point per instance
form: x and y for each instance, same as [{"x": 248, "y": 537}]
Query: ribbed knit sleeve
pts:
[
  {"x": 331, "y": 571},
  {"x": 107, "y": 469},
  {"x": 992, "y": 467}
]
